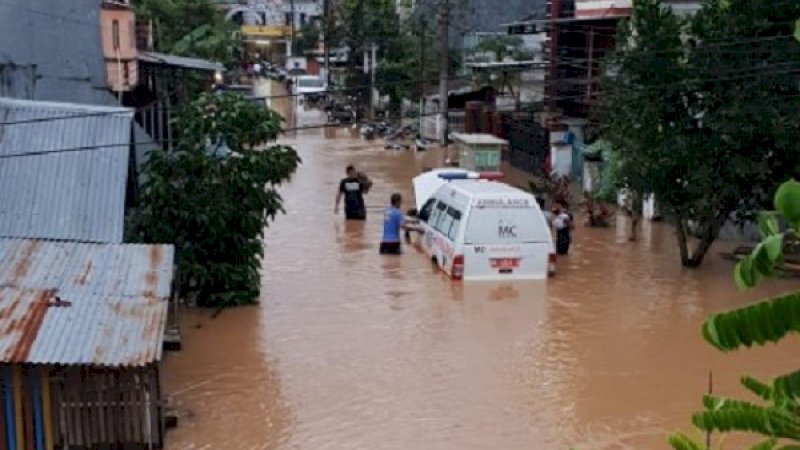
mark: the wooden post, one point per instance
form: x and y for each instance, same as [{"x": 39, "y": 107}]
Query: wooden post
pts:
[
  {"x": 8, "y": 407},
  {"x": 16, "y": 385}
]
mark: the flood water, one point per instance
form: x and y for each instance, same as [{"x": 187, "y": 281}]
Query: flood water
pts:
[{"x": 351, "y": 350}]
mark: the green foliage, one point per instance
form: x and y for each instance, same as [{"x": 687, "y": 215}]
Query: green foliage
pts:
[
  {"x": 214, "y": 207},
  {"x": 610, "y": 172},
  {"x": 407, "y": 51},
  {"x": 309, "y": 36},
  {"x": 711, "y": 127},
  {"x": 362, "y": 23},
  {"x": 765, "y": 322},
  {"x": 193, "y": 28},
  {"x": 767, "y": 257}
]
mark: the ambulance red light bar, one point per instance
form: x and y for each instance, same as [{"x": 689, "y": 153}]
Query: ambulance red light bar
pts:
[{"x": 492, "y": 176}]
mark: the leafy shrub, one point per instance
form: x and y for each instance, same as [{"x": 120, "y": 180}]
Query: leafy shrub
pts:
[{"x": 214, "y": 194}]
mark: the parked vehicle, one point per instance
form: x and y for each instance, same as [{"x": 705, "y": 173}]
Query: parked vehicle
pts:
[
  {"x": 310, "y": 88},
  {"x": 476, "y": 228}
]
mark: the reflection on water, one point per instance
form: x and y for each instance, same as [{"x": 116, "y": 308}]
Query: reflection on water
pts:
[{"x": 351, "y": 350}]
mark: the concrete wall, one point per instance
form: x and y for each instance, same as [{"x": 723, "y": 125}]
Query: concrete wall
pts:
[
  {"x": 62, "y": 40},
  {"x": 121, "y": 66}
]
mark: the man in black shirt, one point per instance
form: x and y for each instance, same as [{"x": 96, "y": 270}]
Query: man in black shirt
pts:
[{"x": 353, "y": 189}]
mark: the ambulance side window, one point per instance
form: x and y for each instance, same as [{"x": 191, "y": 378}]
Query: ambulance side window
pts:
[
  {"x": 438, "y": 216},
  {"x": 425, "y": 213},
  {"x": 455, "y": 224}
]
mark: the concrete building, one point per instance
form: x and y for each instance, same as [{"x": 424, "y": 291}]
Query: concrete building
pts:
[
  {"x": 118, "y": 37},
  {"x": 60, "y": 59},
  {"x": 268, "y": 24},
  {"x": 273, "y": 12}
]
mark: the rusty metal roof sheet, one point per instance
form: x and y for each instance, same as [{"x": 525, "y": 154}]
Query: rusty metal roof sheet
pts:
[
  {"x": 91, "y": 304},
  {"x": 42, "y": 327},
  {"x": 63, "y": 170},
  {"x": 125, "y": 270}
]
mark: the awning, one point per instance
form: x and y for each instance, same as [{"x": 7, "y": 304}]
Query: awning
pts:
[{"x": 180, "y": 61}]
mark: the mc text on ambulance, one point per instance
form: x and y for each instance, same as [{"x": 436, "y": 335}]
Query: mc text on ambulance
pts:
[{"x": 479, "y": 229}]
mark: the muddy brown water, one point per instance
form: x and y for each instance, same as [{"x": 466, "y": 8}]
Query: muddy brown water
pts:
[{"x": 350, "y": 350}]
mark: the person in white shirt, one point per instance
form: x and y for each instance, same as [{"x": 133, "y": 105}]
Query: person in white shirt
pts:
[{"x": 562, "y": 222}]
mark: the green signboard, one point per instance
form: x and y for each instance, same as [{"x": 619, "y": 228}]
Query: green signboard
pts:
[{"x": 487, "y": 160}]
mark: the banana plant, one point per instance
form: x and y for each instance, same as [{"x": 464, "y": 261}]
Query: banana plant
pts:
[{"x": 776, "y": 416}]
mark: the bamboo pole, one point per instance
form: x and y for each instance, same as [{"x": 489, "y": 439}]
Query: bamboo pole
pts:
[
  {"x": 16, "y": 383},
  {"x": 46, "y": 409}
]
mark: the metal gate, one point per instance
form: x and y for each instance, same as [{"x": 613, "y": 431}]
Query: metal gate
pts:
[{"x": 528, "y": 143}]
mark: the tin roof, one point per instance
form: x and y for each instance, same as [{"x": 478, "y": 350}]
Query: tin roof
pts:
[
  {"x": 42, "y": 327},
  {"x": 63, "y": 170},
  {"x": 181, "y": 61},
  {"x": 89, "y": 304}
]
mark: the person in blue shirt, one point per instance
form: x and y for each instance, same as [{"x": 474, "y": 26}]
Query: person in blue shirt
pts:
[{"x": 393, "y": 222}]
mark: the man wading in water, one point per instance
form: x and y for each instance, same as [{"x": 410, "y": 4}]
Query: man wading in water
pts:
[
  {"x": 353, "y": 188},
  {"x": 393, "y": 221}
]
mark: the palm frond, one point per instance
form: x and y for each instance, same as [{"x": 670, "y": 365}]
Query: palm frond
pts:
[
  {"x": 769, "y": 444},
  {"x": 762, "y": 390},
  {"x": 679, "y": 441},
  {"x": 787, "y": 387},
  {"x": 727, "y": 415},
  {"x": 758, "y": 324}
]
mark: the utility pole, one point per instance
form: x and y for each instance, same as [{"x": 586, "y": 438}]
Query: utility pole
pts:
[
  {"x": 444, "y": 63},
  {"x": 327, "y": 40},
  {"x": 294, "y": 29},
  {"x": 368, "y": 97},
  {"x": 424, "y": 28},
  {"x": 374, "y": 62}
]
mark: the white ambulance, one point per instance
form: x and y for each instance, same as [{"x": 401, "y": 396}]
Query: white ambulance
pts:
[{"x": 479, "y": 229}]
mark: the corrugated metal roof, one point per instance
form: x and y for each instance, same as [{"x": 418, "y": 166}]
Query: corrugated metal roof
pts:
[
  {"x": 66, "y": 178},
  {"x": 126, "y": 270},
  {"x": 42, "y": 327},
  {"x": 180, "y": 61},
  {"x": 91, "y": 304}
]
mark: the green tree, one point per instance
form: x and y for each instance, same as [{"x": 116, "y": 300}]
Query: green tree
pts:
[
  {"x": 358, "y": 24},
  {"x": 776, "y": 417},
  {"x": 709, "y": 127},
  {"x": 361, "y": 23},
  {"x": 193, "y": 28},
  {"x": 309, "y": 36},
  {"x": 213, "y": 196}
]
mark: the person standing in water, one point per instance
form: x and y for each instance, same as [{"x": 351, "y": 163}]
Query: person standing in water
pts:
[
  {"x": 393, "y": 222},
  {"x": 353, "y": 188},
  {"x": 562, "y": 222}
]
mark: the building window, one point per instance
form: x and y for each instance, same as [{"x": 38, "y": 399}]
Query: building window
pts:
[
  {"x": 132, "y": 34},
  {"x": 288, "y": 19},
  {"x": 302, "y": 19},
  {"x": 115, "y": 34}
]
